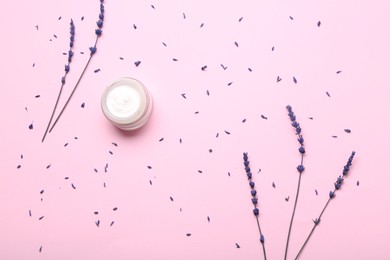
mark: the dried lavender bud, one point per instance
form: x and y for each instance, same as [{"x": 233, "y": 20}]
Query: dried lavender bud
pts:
[
  {"x": 254, "y": 201},
  {"x": 246, "y": 163},
  {"x": 247, "y": 169},
  {"x": 249, "y": 175},
  {"x": 316, "y": 221},
  {"x": 253, "y": 193},
  {"x": 262, "y": 238},
  {"x": 99, "y": 23},
  {"x": 300, "y": 140},
  {"x": 301, "y": 150},
  {"x": 300, "y": 168},
  {"x": 63, "y": 80},
  {"x": 256, "y": 211},
  {"x": 101, "y": 17},
  {"x": 93, "y": 50},
  {"x": 332, "y": 194},
  {"x": 252, "y": 184},
  {"x": 345, "y": 170},
  {"x": 245, "y": 157},
  {"x": 98, "y": 32},
  {"x": 67, "y": 68},
  {"x": 298, "y": 130},
  {"x": 295, "y": 124}
]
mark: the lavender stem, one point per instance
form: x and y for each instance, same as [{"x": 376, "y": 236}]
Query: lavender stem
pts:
[
  {"x": 293, "y": 213},
  {"x": 332, "y": 194}
]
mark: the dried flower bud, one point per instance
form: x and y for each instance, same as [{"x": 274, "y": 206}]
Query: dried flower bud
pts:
[
  {"x": 98, "y": 32},
  {"x": 301, "y": 150},
  {"x": 249, "y": 175},
  {"x": 300, "y": 168},
  {"x": 332, "y": 194},
  {"x": 101, "y": 16},
  {"x": 262, "y": 238},
  {"x": 316, "y": 221},
  {"x": 252, "y": 184},
  {"x": 245, "y": 157},
  {"x": 93, "y": 50},
  {"x": 256, "y": 211},
  {"x": 67, "y": 68},
  {"x": 300, "y": 140},
  {"x": 254, "y": 201},
  {"x": 253, "y": 193},
  {"x": 63, "y": 80},
  {"x": 99, "y": 23},
  {"x": 246, "y": 163},
  {"x": 247, "y": 169},
  {"x": 295, "y": 124}
]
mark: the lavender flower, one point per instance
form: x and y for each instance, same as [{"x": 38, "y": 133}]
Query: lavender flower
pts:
[
  {"x": 63, "y": 78},
  {"x": 93, "y": 49},
  {"x": 254, "y": 199},
  {"x": 332, "y": 195},
  {"x": 300, "y": 168}
]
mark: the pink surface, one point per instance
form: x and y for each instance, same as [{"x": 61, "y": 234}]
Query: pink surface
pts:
[{"x": 353, "y": 38}]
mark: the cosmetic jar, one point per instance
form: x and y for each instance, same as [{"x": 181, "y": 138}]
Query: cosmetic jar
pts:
[{"x": 127, "y": 104}]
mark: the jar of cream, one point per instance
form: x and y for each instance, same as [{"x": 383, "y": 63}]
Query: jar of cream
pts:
[{"x": 127, "y": 104}]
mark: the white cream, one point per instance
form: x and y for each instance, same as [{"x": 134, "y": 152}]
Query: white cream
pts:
[
  {"x": 127, "y": 104},
  {"x": 123, "y": 101}
]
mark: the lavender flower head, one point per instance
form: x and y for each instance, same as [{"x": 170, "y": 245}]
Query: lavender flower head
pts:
[
  {"x": 70, "y": 52},
  {"x": 251, "y": 184},
  {"x": 298, "y": 131},
  {"x": 99, "y": 23}
]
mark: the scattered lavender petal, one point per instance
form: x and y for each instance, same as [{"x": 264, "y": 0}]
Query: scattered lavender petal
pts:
[
  {"x": 40, "y": 249},
  {"x": 149, "y": 167},
  {"x": 316, "y": 191},
  {"x": 237, "y": 246},
  {"x": 244, "y": 120},
  {"x": 287, "y": 198},
  {"x": 188, "y": 234},
  {"x": 334, "y": 136},
  {"x": 200, "y": 171},
  {"x": 210, "y": 150},
  {"x": 338, "y": 72},
  {"x": 161, "y": 139},
  {"x": 74, "y": 187},
  {"x": 152, "y": 6},
  {"x": 202, "y": 24},
  {"x": 230, "y": 83},
  {"x": 236, "y": 43},
  {"x": 42, "y": 191},
  {"x": 82, "y": 18},
  {"x": 110, "y": 152},
  {"x": 41, "y": 218},
  {"x": 208, "y": 219},
  {"x": 327, "y": 93},
  {"x": 223, "y": 67},
  {"x": 273, "y": 185},
  {"x": 278, "y": 79},
  {"x": 121, "y": 58},
  {"x": 31, "y": 126},
  {"x": 150, "y": 182},
  {"x": 164, "y": 44},
  {"x": 250, "y": 69},
  {"x": 204, "y": 68},
  {"x": 227, "y": 132},
  {"x": 184, "y": 95},
  {"x": 319, "y": 23},
  {"x": 196, "y": 112},
  {"x": 59, "y": 18},
  {"x": 239, "y": 20},
  {"x": 96, "y": 71},
  {"x": 273, "y": 48},
  {"x": 96, "y": 212},
  {"x": 348, "y": 130},
  {"x": 229, "y": 174},
  {"x": 208, "y": 93},
  {"x": 83, "y": 105},
  {"x": 357, "y": 183},
  {"x": 114, "y": 144},
  {"x": 115, "y": 209},
  {"x": 66, "y": 144},
  {"x": 264, "y": 117},
  {"x": 137, "y": 63},
  {"x": 37, "y": 96},
  {"x": 184, "y": 16},
  {"x": 174, "y": 59},
  {"x": 97, "y": 223},
  {"x": 29, "y": 213},
  {"x": 171, "y": 198},
  {"x": 295, "y": 80},
  {"x": 112, "y": 223},
  {"x": 18, "y": 167},
  {"x": 135, "y": 27},
  {"x": 291, "y": 18}
]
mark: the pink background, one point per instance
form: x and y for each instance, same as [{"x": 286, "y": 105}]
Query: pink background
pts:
[{"x": 353, "y": 38}]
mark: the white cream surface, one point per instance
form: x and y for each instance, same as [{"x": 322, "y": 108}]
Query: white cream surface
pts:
[{"x": 123, "y": 101}]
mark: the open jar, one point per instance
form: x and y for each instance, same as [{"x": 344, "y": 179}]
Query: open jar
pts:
[{"x": 127, "y": 104}]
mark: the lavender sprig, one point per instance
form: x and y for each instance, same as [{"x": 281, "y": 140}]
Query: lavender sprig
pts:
[
  {"x": 254, "y": 199},
  {"x": 93, "y": 49},
  {"x": 300, "y": 169},
  {"x": 63, "y": 79},
  {"x": 332, "y": 194}
]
